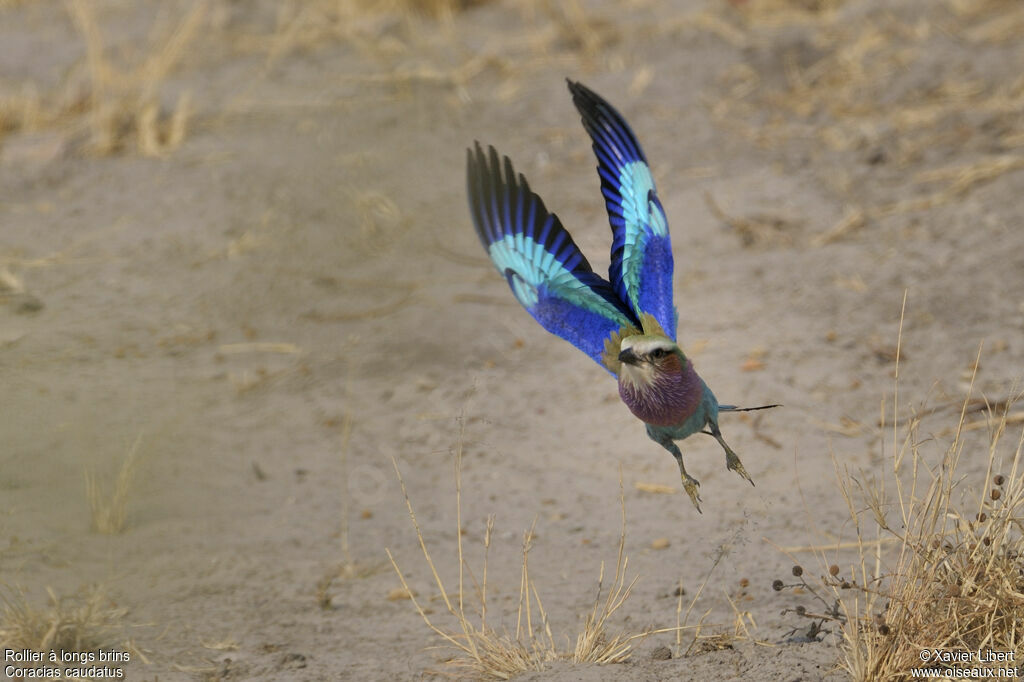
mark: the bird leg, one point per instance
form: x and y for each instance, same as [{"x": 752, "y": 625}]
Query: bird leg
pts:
[
  {"x": 732, "y": 460},
  {"x": 690, "y": 484}
]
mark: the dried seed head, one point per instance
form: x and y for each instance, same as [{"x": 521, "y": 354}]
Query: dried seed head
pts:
[
  {"x": 935, "y": 544},
  {"x": 981, "y": 517},
  {"x": 833, "y": 570},
  {"x": 777, "y": 585},
  {"x": 999, "y": 479},
  {"x": 986, "y": 541},
  {"x": 883, "y": 630},
  {"x": 845, "y": 585},
  {"x": 801, "y": 610},
  {"x": 744, "y": 582},
  {"x": 798, "y": 570},
  {"x": 996, "y": 494}
]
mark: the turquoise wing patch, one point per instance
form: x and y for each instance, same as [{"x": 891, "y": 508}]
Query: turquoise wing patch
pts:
[
  {"x": 641, "y": 261},
  {"x": 545, "y": 269}
]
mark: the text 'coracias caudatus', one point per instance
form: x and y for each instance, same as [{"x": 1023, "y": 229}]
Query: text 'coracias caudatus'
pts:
[{"x": 627, "y": 324}]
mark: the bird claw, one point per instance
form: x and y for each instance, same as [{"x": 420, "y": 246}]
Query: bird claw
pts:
[
  {"x": 690, "y": 485},
  {"x": 732, "y": 462}
]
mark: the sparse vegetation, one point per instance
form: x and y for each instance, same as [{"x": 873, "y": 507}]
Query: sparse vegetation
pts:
[
  {"x": 122, "y": 102},
  {"x": 939, "y": 558},
  {"x": 109, "y": 506},
  {"x": 326, "y": 190},
  {"x": 953, "y": 579},
  {"x": 706, "y": 636},
  {"x": 824, "y": 82},
  {"x": 501, "y": 655},
  {"x": 121, "y": 108},
  {"x": 85, "y": 621}
]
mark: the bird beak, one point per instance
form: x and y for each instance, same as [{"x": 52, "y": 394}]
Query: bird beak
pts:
[{"x": 629, "y": 357}]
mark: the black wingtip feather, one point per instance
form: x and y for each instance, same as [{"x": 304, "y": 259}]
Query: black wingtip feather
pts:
[
  {"x": 474, "y": 161},
  {"x": 500, "y": 199},
  {"x": 501, "y": 202},
  {"x": 603, "y": 122}
]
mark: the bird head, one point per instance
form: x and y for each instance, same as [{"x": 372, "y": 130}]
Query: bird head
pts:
[{"x": 645, "y": 357}]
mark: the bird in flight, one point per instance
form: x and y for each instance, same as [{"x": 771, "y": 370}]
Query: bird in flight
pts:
[{"x": 627, "y": 323}]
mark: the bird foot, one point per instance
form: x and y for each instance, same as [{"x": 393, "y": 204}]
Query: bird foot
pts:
[
  {"x": 732, "y": 461},
  {"x": 690, "y": 485}
]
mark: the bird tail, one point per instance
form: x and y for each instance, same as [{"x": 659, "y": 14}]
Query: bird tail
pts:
[{"x": 733, "y": 408}]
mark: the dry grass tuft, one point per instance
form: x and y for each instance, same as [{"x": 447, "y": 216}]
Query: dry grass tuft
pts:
[
  {"x": 118, "y": 108},
  {"x": 377, "y": 28},
  {"x": 126, "y": 102},
  {"x": 487, "y": 652},
  {"x": 407, "y": 45},
  {"x": 786, "y": 12},
  {"x": 939, "y": 552},
  {"x": 953, "y": 576},
  {"x": 829, "y": 77},
  {"x": 110, "y": 507},
  {"x": 83, "y": 622}
]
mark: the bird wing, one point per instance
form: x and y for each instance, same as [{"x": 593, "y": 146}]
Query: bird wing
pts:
[
  {"x": 641, "y": 265},
  {"x": 547, "y": 272}
]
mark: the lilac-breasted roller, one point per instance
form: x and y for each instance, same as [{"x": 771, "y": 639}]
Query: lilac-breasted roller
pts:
[{"x": 627, "y": 323}]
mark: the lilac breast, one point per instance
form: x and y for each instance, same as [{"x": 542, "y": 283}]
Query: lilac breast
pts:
[{"x": 669, "y": 400}]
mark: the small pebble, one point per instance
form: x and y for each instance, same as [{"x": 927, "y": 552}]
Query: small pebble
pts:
[{"x": 661, "y": 653}]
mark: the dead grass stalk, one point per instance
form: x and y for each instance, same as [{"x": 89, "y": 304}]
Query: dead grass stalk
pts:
[
  {"x": 86, "y": 621},
  {"x": 939, "y": 562},
  {"x": 490, "y": 653},
  {"x": 954, "y": 578},
  {"x": 124, "y": 101},
  {"x": 118, "y": 107},
  {"x": 109, "y": 507}
]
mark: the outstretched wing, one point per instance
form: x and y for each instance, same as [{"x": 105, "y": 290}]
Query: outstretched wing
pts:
[
  {"x": 641, "y": 267},
  {"x": 547, "y": 272}
]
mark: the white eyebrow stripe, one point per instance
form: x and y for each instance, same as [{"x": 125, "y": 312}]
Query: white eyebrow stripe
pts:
[{"x": 645, "y": 346}]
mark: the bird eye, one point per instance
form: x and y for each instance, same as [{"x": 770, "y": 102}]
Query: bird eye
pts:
[{"x": 659, "y": 353}]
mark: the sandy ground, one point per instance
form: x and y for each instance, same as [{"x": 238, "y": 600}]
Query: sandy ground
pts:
[{"x": 291, "y": 297}]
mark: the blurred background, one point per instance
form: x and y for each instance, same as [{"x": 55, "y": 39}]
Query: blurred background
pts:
[{"x": 238, "y": 281}]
